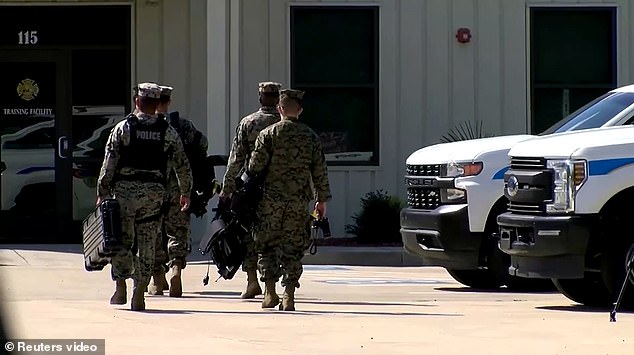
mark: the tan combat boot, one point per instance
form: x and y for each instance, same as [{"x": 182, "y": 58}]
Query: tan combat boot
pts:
[
  {"x": 158, "y": 284},
  {"x": 176, "y": 286},
  {"x": 137, "y": 303},
  {"x": 253, "y": 286},
  {"x": 119, "y": 296},
  {"x": 271, "y": 299},
  {"x": 288, "y": 299}
]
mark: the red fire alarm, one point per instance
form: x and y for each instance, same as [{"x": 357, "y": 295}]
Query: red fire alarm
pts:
[{"x": 463, "y": 35}]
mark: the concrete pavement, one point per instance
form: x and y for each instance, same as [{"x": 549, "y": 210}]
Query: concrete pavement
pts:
[
  {"x": 341, "y": 310},
  {"x": 326, "y": 255}
]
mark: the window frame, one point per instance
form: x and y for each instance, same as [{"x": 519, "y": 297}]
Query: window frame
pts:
[
  {"x": 374, "y": 162},
  {"x": 532, "y": 9}
]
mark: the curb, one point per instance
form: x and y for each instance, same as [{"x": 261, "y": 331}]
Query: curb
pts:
[{"x": 361, "y": 256}]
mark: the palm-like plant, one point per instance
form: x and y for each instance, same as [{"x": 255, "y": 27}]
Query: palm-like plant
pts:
[{"x": 464, "y": 131}]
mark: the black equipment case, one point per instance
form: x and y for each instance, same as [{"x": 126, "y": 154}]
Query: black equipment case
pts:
[{"x": 102, "y": 236}]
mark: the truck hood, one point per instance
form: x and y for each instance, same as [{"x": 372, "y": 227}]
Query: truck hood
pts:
[
  {"x": 576, "y": 143},
  {"x": 463, "y": 151}
]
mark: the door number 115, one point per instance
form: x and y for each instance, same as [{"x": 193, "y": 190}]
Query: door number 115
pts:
[{"x": 27, "y": 37}]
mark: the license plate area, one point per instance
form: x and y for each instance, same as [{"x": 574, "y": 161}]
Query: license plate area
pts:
[{"x": 515, "y": 237}]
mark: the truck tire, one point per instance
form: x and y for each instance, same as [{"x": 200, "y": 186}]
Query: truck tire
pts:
[
  {"x": 613, "y": 272},
  {"x": 589, "y": 291},
  {"x": 481, "y": 278}
]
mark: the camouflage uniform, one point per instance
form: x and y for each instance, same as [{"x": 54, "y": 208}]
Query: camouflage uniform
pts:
[
  {"x": 175, "y": 245},
  {"x": 243, "y": 144},
  {"x": 140, "y": 192},
  {"x": 290, "y": 154}
]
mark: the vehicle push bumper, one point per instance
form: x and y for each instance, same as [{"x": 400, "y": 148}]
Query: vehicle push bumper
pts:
[
  {"x": 440, "y": 236},
  {"x": 545, "y": 246}
]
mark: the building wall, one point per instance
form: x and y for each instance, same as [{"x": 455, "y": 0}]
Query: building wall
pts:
[
  {"x": 171, "y": 45},
  {"x": 429, "y": 82},
  {"x": 215, "y": 52},
  {"x": 171, "y": 48}
]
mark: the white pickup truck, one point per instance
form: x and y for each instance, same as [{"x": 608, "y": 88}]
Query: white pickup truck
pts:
[
  {"x": 569, "y": 214},
  {"x": 454, "y": 194}
]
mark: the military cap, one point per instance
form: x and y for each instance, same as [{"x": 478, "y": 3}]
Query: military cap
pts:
[
  {"x": 270, "y": 86},
  {"x": 293, "y": 94},
  {"x": 150, "y": 90},
  {"x": 166, "y": 90}
]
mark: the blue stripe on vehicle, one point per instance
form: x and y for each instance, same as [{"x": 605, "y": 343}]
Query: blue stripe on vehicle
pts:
[
  {"x": 603, "y": 167},
  {"x": 33, "y": 169},
  {"x": 500, "y": 174}
]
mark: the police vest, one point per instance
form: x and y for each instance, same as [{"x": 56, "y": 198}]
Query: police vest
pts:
[{"x": 146, "y": 150}]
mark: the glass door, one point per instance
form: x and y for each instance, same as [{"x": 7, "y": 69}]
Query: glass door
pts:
[
  {"x": 94, "y": 116},
  {"x": 34, "y": 122}
]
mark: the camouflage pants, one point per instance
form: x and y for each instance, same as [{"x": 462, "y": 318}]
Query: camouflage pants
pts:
[
  {"x": 141, "y": 225},
  {"x": 281, "y": 238},
  {"x": 174, "y": 245},
  {"x": 250, "y": 262}
]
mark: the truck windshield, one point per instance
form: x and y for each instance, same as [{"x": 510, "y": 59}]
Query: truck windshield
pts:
[{"x": 595, "y": 114}]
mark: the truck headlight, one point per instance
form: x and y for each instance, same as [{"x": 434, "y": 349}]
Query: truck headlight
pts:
[
  {"x": 568, "y": 177},
  {"x": 463, "y": 169},
  {"x": 454, "y": 170},
  {"x": 452, "y": 195}
]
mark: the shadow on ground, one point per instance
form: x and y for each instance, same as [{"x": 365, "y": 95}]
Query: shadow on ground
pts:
[
  {"x": 498, "y": 290},
  {"x": 300, "y": 300},
  {"x": 584, "y": 309},
  {"x": 298, "y": 312}
]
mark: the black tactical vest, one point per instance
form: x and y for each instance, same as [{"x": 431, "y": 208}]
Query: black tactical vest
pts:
[{"x": 146, "y": 150}]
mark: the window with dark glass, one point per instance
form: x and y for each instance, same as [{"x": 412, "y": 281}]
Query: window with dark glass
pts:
[{"x": 335, "y": 60}]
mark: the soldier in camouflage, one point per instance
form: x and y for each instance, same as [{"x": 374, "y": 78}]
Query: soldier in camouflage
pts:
[
  {"x": 243, "y": 144},
  {"x": 134, "y": 171},
  {"x": 290, "y": 156},
  {"x": 174, "y": 245}
]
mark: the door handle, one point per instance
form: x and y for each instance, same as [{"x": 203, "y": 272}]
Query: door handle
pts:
[{"x": 62, "y": 146}]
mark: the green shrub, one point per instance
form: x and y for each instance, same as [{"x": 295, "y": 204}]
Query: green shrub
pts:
[{"x": 378, "y": 221}]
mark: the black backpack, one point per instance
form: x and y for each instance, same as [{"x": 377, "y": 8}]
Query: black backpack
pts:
[
  {"x": 234, "y": 219},
  {"x": 202, "y": 166}
]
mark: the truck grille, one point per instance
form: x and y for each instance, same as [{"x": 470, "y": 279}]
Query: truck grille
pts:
[
  {"x": 535, "y": 188},
  {"x": 526, "y": 208},
  {"x": 423, "y": 198},
  {"x": 524, "y": 163},
  {"x": 424, "y": 170}
]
